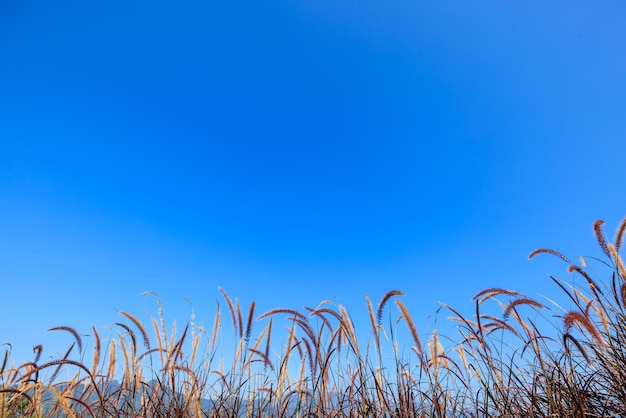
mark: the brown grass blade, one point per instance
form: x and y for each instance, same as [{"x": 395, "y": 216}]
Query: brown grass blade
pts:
[
  {"x": 249, "y": 322},
  {"x": 573, "y": 317},
  {"x": 411, "y": 324},
  {"x": 597, "y": 229},
  {"x": 383, "y": 301},
  {"x": 548, "y": 251},
  {"x": 619, "y": 236},
  {"x": 72, "y": 331},
  {"x": 139, "y": 325}
]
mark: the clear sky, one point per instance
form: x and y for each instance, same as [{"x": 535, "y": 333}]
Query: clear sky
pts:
[{"x": 294, "y": 151}]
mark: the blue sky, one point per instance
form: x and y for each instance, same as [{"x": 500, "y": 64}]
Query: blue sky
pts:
[{"x": 296, "y": 151}]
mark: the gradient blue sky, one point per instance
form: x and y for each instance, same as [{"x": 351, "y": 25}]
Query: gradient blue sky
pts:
[{"x": 295, "y": 151}]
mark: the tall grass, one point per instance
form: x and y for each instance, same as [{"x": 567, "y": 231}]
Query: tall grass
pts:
[{"x": 519, "y": 361}]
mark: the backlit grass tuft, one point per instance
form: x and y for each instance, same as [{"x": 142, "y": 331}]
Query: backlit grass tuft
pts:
[{"x": 521, "y": 361}]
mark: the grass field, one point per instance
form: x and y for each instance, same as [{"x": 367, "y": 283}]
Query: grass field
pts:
[{"x": 509, "y": 359}]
